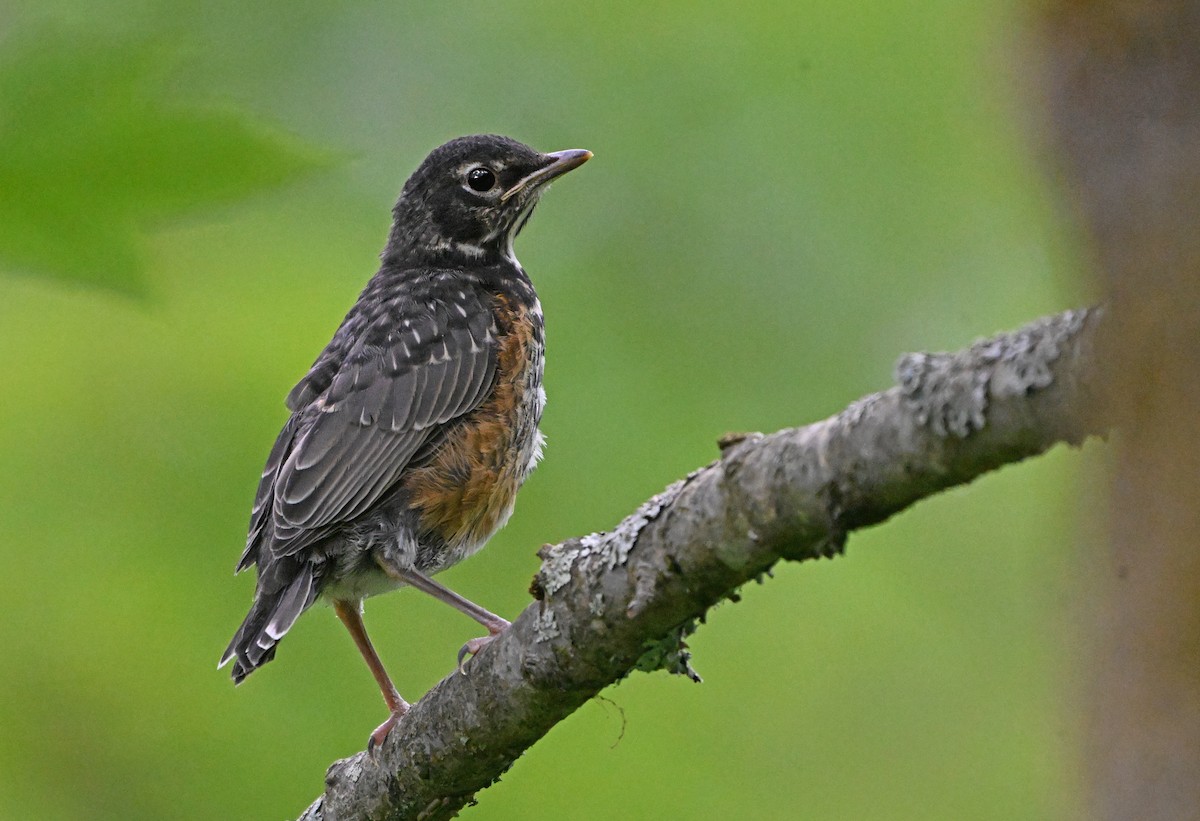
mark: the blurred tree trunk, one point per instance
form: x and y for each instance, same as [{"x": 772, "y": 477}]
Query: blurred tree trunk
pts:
[{"x": 1122, "y": 79}]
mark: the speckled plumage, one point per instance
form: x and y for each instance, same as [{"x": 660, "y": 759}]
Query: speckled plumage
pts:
[{"x": 415, "y": 427}]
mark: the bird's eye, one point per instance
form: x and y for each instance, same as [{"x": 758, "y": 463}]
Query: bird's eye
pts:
[{"x": 481, "y": 179}]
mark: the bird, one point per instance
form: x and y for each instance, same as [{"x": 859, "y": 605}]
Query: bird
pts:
[{"x": 413, "y": 430}]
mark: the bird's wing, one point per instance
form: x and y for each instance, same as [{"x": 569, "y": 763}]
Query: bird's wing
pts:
[
  {"x": 260, "y": 515},
  {"x": 404, "y": 376}
]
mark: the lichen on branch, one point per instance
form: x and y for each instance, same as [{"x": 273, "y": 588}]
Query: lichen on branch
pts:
[{"x": 607, "y": 604}]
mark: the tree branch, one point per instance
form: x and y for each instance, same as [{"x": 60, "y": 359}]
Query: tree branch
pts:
[{"x": 610, "y": 603}]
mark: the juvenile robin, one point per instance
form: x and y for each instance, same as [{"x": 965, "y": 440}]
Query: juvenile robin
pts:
[{"x": 415, "y": 427}]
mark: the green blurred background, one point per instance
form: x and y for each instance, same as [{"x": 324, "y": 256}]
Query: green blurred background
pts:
[{"x": 783, "y": 199}]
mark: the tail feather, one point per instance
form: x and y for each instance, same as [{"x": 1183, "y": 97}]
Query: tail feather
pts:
[
  {"x": 295, "y": 601},
  {"x": 271, "y": 616}
]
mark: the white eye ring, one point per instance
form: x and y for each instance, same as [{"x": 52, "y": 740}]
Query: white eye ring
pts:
[{"x": 480, "y": 179}]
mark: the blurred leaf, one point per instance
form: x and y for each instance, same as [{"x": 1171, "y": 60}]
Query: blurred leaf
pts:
[{"x": 93, "y": 148}]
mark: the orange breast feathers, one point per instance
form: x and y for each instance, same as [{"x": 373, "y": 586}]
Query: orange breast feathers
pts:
[{"x": 466, "y": 492}]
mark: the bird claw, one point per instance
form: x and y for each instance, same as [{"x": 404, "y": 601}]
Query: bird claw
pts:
[
  {"x": 475, "y": 645},
  {"x": 470, "y": 649},
  {"x": 375, "y": 742}
]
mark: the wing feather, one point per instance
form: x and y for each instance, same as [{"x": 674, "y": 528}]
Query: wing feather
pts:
[{"x": 397, "y": 384}]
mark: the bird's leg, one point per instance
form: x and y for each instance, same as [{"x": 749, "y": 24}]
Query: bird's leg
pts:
[
  {"x": 351, "y": 616},
  {"x": 494, "y": 624}
]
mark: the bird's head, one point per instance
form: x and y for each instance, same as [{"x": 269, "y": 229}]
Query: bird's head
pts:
[{"x": 470, "y": 197}]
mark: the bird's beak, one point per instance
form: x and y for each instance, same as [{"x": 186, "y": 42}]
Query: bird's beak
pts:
[{"x": 563, "y": 161}]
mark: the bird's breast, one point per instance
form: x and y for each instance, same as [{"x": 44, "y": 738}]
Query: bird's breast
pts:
[{"x": 467, "y": 491}]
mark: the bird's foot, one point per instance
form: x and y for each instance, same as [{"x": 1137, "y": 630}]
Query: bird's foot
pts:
[
  {"x": 475, "y": 645},
  {"x": 375, "y": 742}
]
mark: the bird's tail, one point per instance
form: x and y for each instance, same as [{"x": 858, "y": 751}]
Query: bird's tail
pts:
[{"x": 276, "y": 608}]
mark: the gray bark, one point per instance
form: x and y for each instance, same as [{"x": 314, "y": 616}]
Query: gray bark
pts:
[{"x": 610, "y": 603}]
